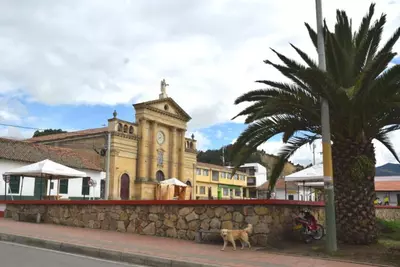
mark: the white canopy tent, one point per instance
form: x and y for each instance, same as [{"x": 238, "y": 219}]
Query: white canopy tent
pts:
[
  {"x": 45, "y": 169},
  {"x": 173, "y": 181},
  {"x": 310, "y": 174},
  {"x": 311, "y": 177}
]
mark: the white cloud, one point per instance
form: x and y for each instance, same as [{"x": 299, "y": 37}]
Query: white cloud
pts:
[
  {"x": 100, "y": 51},
  {"x": 109, "y": 52},
  {"x": 218, "y": 134},
  {"x": 16, "y": 133}
]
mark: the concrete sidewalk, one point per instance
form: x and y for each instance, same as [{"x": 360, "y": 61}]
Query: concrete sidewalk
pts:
[{"x": 146, "y": 250}]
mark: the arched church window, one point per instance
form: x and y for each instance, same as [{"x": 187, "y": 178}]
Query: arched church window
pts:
[
  {"x": 119, "y": 127},
  {"x": 125, "y": 128},
  {"x": 131, "y": 129}
]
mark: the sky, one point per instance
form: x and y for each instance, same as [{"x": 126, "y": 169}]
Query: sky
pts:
[{"x": 70, "y": 63}]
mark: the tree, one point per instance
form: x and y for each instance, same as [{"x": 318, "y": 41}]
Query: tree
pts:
[
  {"x": 364, "y": 99},
  {"x": 47, "y": 132}
]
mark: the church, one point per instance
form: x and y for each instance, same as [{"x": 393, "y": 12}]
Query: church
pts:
[{"x": 137, "y": 155}]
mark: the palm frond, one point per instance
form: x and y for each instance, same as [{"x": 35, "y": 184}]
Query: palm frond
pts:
[
  {"x": 390, "y": 43},
  {"x": 311, "y": 63},
  {"x": 290, "y": 63},
  {"x": 385, "y": 140},
  {"x": 364, "y": 26},
  {"x": 313, "y": 35}
]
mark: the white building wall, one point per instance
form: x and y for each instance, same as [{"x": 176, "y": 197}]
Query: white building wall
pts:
[
  {"x": 74, "y": 185},
  {"x": 261, "y": 172},
  {"x": 302, "y": 196}
]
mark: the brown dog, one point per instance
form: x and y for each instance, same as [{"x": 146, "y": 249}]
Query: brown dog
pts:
[{"x": 233, "y": 235}]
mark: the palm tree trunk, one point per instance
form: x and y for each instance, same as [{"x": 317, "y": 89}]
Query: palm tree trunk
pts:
[{"x": 354, "y": 173}]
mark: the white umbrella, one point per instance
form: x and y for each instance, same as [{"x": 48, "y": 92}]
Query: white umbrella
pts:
[{"x": 173, "y": 181}]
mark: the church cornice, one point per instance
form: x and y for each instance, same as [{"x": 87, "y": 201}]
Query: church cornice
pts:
[
  {"x": 190, "y": 150},
  {"x": 124, "y": 135},
  {"x": 167, "y": 113}
]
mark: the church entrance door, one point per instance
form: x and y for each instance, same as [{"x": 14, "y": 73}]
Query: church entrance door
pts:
[
  {"x": 160, "y": 176},
  {"x": 125, "y": 183}
]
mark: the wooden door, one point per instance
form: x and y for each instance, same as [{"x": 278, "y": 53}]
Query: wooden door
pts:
[{"x": 125, "y": 183}]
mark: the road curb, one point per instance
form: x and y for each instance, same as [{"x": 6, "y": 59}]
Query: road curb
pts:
[{"x": 133, "y": 258}]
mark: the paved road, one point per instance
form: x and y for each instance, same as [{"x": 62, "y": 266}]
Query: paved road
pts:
[{"x": 14, "y": 255}]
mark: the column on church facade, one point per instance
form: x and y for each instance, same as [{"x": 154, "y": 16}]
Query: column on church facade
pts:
[
  {"x": 153, "y": 156},
  {"x": 182, "y": 157},
  {"x": 173, "y": 153},
  {"x": 142, "y": 173}
]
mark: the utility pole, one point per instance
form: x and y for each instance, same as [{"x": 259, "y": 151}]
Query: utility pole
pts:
[
  {"x": 330, "y": 220},
  {"x": 223, "y": 156},
  {"x": 106, "y": 191},
  {"x": 313, "y": 152}
]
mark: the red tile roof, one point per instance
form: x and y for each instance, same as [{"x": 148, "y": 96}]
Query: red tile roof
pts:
[
  {"x": 387, "y": 185},
  {"x": 60, "y": 136},
  {"x": 280, "y": 184},
  {"x": 28, "y": 152}
]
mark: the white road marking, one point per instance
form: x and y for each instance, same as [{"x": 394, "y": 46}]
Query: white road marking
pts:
[{"x": 71, "y": 254}]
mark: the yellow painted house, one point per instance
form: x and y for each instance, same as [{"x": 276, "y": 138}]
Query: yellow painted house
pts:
[
  {"x": 148, "y": 150},
  {"x": 216, "y": 181}
]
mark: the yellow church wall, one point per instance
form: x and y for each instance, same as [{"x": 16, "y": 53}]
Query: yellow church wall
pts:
[
  {"x": 161, "y": 118},
  {"x": 124, "y": 155}
]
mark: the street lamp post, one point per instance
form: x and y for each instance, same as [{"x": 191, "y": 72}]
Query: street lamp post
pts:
[{"x": 330, "y": 219}]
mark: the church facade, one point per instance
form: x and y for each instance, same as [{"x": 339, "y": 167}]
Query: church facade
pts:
[
  {"x": 144, "y": 152},
  {"x": 151, "y": 149}
]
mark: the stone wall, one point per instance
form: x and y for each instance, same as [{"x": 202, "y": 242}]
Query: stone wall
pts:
[
  {"x": 176, "y": 221},
  {"x": 388, "y": 213}
]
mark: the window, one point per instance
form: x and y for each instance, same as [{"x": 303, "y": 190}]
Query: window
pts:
[
  {"x": 51, "y": 185},
  {"x": 251, "y": 181},
  {"x": 238, "y": 192},
  {"x": 215, "y": 176},
  {"x": 202, "y": 190},
  {"x": 205, "y": 172},
  {"x": 64, "y": 186},
  {"x": 235, "y": 177},
  {"x": 229, "y": 175},
  {"x": 222, "y": 175},
  {"x": 198, "y": 171},
  {"x": 85, "y": 186},
  {"x": 131, "y": 129},
  {"x": 226, "y": 191},
  {"x": 291, "y": 197},
  {"x": 14, "y": 184},
  {"x": 160, "y": 158}
]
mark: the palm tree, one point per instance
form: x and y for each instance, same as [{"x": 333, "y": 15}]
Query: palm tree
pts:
[{"x": 364, "y": 99}]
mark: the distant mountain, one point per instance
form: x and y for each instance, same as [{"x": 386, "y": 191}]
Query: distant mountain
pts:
[
  {"x": 388, "y": 169},
  {"x": 215, "y": 157}
]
